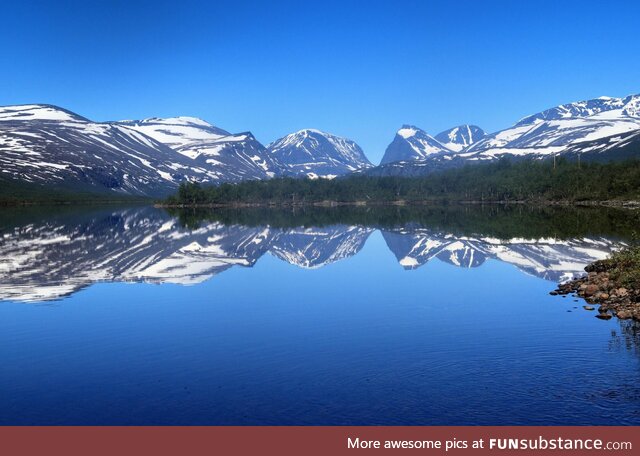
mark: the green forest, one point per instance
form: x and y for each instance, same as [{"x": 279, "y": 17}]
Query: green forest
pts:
[
  {"x": 15, "y": 193},
  {"x": 501, "y": 181}
]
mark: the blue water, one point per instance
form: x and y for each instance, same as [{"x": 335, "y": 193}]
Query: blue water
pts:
[{"x": 359, "y": 341}]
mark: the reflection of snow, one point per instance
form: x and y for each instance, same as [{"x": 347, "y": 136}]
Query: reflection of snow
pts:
[
  {"x": 51, "y": 260},
  {"x": 549, "y": 258},
  {"x": 55, "y": 258}
]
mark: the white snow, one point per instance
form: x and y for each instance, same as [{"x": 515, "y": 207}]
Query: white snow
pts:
[
  {"x": 407, "y": 133},
  {"x": 34, "y": 112}
]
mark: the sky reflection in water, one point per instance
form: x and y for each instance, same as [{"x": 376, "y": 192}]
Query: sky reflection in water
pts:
[{"x": 136, "y": 316}]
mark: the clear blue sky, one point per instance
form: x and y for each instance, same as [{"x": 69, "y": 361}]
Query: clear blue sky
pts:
[{"x": 357, "y": 69}]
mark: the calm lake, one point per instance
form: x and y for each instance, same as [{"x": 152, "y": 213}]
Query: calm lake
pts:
[{"x": 344, "y": 316}]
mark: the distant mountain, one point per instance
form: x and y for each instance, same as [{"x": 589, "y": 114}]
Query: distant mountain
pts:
[
  {"x": 460, "y": 137},
  {"x": 412, "y": 143},
  {"x": 228, "y": 157},
  {"x": 314, "y": 153},
  {"x": 50, "y": 146},
  {"x": 629, "y": 105},
  {"x": 601, "y": 129},
  {"x": 417, "y": 167},
  {"x": 555, "y": 130}
]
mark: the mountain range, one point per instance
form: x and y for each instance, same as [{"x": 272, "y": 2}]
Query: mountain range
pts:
[
  {"x": 601, "y": 129},
  {"x": 52, "y": 148}
]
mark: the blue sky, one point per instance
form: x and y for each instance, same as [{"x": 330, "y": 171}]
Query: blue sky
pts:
[{"x": 357, "y": 69}]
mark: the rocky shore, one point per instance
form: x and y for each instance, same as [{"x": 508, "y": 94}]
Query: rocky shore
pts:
[{"x": 611, "y": 284}]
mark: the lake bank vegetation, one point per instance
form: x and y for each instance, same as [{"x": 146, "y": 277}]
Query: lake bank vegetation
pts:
[{"x": 504, "y": 181}]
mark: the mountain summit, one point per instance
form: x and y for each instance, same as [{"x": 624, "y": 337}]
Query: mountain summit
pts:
[
  {"x": 314, "y": 153},
  {"x": 412, "y": 143}
]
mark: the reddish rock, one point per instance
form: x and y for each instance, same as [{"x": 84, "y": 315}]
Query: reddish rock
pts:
[
  {"x": 591, "y": 289},
  {"x": 623, "y": 315}
]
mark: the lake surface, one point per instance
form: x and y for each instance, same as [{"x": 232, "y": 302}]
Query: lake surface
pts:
[{"x": 345, "y": 316}]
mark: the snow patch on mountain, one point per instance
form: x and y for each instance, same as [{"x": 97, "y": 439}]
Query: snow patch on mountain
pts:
[
  {"x": 227, "y": 157},
  {"x": 38, "y": 112},
  {"x": 408, "y": 132},
  {"x": 177, "y": 132},
  {"x": 460, "y": 137}
]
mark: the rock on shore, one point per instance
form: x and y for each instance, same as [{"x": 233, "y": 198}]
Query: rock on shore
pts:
[{"x": 599, "y": 287}]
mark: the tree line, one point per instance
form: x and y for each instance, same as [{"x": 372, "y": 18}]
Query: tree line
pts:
[{"x": 500, "y": 181}]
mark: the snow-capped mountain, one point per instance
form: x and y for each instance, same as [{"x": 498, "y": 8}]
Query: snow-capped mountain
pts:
[
  {"x": 57, "y": 149},
  {"x": 412, "y": 143},
  {"x": 228, "y": 157},
  {"x": 50, "y": 146},
  {"x": 314, "y": 153},
  {"x": 619, "y": 147},
  {"x": 555, "y": 130},
  {"x": 460, "y": 137},
  {"x": 601, "y": 129}
]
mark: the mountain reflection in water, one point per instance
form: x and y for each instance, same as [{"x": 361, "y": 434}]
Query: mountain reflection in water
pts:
[{"x": 47, "y": 256}]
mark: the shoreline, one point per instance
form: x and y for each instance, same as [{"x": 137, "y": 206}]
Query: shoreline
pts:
[
  {"x": 626, "y": 204},
  {"x": 604, "y": 285},
  {"x": 98, "y": 202}
]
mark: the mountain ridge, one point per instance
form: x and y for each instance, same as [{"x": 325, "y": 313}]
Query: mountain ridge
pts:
[
  {"x": 52, "y": 146},
  {"x": 596, "y": 130}
]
